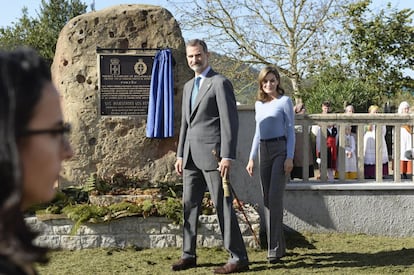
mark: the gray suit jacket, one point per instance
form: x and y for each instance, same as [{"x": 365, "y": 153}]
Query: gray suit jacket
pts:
[{"x": 211, "y": 125}]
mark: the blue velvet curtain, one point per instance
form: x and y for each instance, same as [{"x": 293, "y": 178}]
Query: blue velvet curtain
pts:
[{"x": 160, "y": 121}]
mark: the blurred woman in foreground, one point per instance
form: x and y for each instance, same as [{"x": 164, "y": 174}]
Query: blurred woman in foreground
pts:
[{"x": 32, "y": 147}]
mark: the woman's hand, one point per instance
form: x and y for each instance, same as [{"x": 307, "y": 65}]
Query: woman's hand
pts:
[
  {"x": 249, "y": 167},
  {"x": 288, "y": 166}
]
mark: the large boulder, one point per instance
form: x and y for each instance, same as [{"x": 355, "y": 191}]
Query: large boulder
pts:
[{"x": 109, "y": 145}]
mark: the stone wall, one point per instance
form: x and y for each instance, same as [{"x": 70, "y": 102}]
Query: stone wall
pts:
[
  {"x": 384, "y": 209},
  {"x": 373, "y": 209},
  {"x": 152, "y": 232}
]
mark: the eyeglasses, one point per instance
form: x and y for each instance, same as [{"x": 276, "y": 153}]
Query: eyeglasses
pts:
[{"x": 63, "y": 130}]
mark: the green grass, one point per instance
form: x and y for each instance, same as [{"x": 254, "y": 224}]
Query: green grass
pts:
[{"x": 306, "y": 254}]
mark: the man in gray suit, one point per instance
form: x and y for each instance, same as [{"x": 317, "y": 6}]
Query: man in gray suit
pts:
[{"x": 206, "y": 148}]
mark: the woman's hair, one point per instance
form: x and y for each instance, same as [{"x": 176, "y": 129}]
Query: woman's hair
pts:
[
  {"x": 372, "y": 108},
  {"x": 23, "y": 75},
  {"x": 402, "y": 106},
  {"x": 261, "y": 95},
  {"x": 349, "y": 108}
]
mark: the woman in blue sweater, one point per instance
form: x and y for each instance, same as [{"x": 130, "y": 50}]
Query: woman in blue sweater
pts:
[{"x": 275, "y": 136}]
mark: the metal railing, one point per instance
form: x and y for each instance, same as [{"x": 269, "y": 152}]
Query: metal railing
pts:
[{"x": 392, "y": 121}]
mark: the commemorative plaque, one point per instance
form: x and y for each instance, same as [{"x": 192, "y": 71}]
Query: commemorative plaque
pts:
[{"x": 125, "y": 81}]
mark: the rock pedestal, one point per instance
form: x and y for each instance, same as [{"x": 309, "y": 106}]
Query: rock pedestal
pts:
[{"x": 107, "y": 145}]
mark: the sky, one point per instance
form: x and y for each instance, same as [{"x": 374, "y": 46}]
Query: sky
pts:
[{"x": 13, "y": 10}]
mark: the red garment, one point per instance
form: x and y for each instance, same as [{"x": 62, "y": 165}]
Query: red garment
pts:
[
  {"x": 332, "y": 150},
  {"x": 406, "y": 166},
  {"x": 331, "y": 147}
]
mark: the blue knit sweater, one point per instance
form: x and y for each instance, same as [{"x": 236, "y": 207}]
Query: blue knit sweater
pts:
[{"x": 274, "y": 119}]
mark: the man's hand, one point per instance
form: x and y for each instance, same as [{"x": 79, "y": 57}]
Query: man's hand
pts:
[
  {"x": 179, "y": 166},
  {"x": 224, "y": 167}
]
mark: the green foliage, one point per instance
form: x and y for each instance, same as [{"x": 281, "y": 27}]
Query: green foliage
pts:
[
  {"x": 74, "y": 201},
  {"x": 207, "y": 205},
  {"x": 43, "y": 31},
  {"x": 148, "y": 207},
  {"x": 79, "y": 194},
  {"x": 119, "y": 183},
  {"x": 172, "y": 209},
  {"x": 53, "y": 209},
  {"x": 381, "y": 46},
  {"x": 335, "y": 85},
  {"x": 99, "y": 184},
  {"x": 68, "y": 196},
  {"x": 126, "y": 206},
  {"x": 81, "y": 213}
]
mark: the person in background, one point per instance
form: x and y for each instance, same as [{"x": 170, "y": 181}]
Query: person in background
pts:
[
  {"x": 406, "y": 164},
  {"x": 370, "y": 151},
  {"x": 208, "y": 138},
  {"x": 33, "y": 145},
  {"x": 331, "y": 144},
  {"x": 300, "y": 135},
  {"x": 349, "y": 110},
  {"x": 274, "y": 138},
  {"x": 350, "y": 158}
]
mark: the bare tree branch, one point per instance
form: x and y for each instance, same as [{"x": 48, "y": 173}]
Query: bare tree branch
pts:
[{"x": 290, "y": 34}]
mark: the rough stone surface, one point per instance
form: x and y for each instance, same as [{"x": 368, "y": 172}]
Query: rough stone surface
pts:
[
  {"x": 107, "y": 144},
  {"x": 152, "y": 232}
]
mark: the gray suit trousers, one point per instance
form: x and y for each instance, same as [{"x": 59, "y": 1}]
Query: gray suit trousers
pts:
[
  {"x": 272, "y": 157},
  {"x": 195, "y": 183}
]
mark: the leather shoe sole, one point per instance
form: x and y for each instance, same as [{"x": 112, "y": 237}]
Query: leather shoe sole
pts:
[
  {"x": 184, "y": 264},
  {"x": 231, "y": 268}
]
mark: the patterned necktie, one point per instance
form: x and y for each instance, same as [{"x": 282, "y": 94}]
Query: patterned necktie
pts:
[{"x": 195, "y": 91}]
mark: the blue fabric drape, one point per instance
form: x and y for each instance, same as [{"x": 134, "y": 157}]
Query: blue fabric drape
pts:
[{"x": 160, "y": 121}]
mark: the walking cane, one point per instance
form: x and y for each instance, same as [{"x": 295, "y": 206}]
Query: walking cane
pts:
[{"x": 226, "y": 189}]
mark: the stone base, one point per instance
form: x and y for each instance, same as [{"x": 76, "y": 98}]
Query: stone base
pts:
[{"x": 152, "y": 232}]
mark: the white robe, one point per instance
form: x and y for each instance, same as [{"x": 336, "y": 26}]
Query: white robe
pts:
[
  {"x": 369, "y": 146},
  {"x": 350, "y": 163},
  {"x": 405, "y": 143}
]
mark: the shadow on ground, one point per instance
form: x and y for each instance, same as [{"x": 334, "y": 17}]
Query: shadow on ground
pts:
[
  {"x": 402, "y": 257},
  {"x": 294, "y": 239}
]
